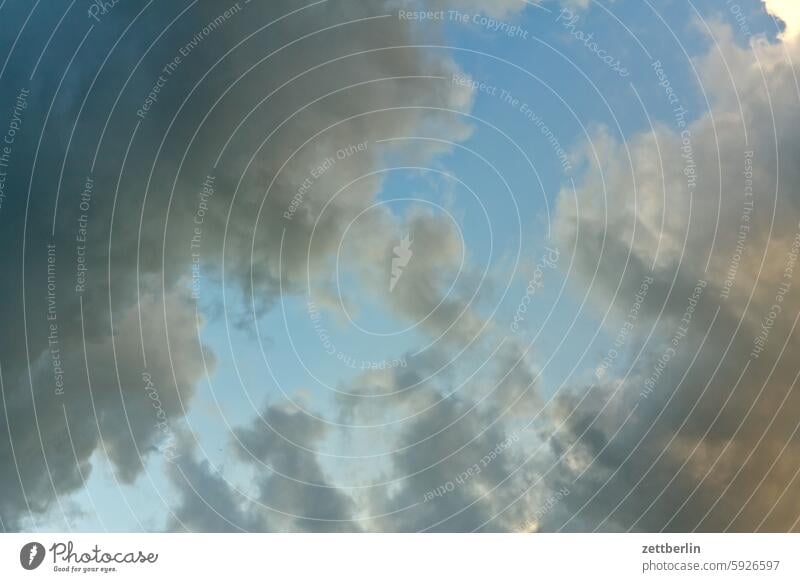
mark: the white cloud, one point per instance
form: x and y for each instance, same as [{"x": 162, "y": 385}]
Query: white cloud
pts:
[{"x": 789, "y": 12}]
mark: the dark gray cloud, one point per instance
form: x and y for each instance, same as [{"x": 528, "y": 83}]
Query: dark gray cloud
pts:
[
  {"x": 293, "y": 493},
  {"x": 337, "y": 75},
  {"x": 451, "y": 465}
]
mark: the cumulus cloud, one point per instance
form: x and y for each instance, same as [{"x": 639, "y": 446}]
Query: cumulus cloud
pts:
[
  {"x": 696, "y": 433},
  {"x": 293, "y": 493},
  {"x": 111, "y": 402},
  {"x": 336, "y": 76},
  {"x": 451, "y": 464}
]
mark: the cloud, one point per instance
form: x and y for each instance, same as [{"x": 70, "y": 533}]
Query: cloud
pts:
[
  {"x": 696, "y": 432},
  {"x": 397, "y": 435},
  {"x": 293, "y": 494},
  {"x": 123, "y": 409},
  {"x": 452, "y": 464},
  {"x": 789, "y": 13},
  {"x": 338, "y": 76}
]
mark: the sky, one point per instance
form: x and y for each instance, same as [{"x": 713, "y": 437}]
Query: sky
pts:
[{"x": 399, "y": 265}]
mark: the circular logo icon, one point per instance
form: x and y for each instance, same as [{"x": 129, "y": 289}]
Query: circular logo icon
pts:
[{"x": 31, "y": 555}]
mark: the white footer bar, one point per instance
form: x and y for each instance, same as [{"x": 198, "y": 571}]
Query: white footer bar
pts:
[{"x": 401, "y": 557}]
